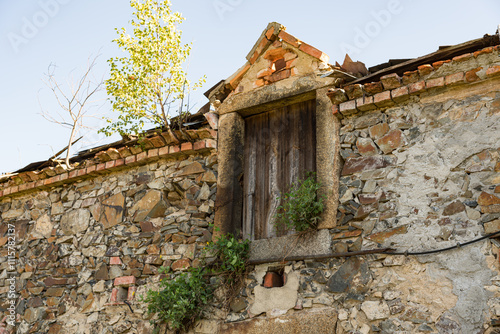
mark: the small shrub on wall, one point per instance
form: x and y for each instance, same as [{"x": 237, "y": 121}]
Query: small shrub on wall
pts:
[
  {"x": 301, "y": 207},
  {"x": 181, "y": 301}
]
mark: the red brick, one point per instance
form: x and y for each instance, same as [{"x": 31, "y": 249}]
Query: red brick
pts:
[
  {"x": 199, "y": 145},
  {"x": 254, "y": 57},
  {"x": 493, "y": 71},
  {"x": 55, "y": 179},
  {"x": 82, "y": 172},
  {"x": 141, "y": 156},
  {"x": 373, "y": 88},
  {"x": 348, "y": 108},
  {"x": 115, "y": 260},
  {"x": 73, "y": 173},
  {"x": 6, "y": 191},
  {"x": 274, "y": 54},
  {"x": 130, "y": 159},
  {"x": 391, "y": 81},
  {"x": 39, "y": 183},
  {"x": 118, "y": 295},
  {"x": 383, "y": 99},
  {"x": 91, "y": 169},
  {"x": 153, "y": 153},
  {"x": 259, "y": 83},
  {"x": 1, "y": 193},
  {"x": 237, "y": 78},
  {"x": 270, "y": 33},
  {"x": 483, "y": 51},
  {"x": 471, "y": 76},
  {"x": 272, "y": 280},
  {"x": 497, "y": 189},
  {"x": 277, "y": 76},
  {"x": 291, "y": 63},
  {"x": 125, "y": 280},
  {"x": 416, "y": 87},
  {"x": 410, "y": 77},
  {"x": 286, "y": 37},
  {"x": 174, "y": 149},
  {"x": 64, "y": 176},
  {"x": 365, "y": 103},
  {"x": 400, "y": 94},
  {"x": 312, "y": 51},
  {"x": 99, "y": 167},
  {"x": 440, "y": 63},
  {"x": 110, "y": 164},
  {"x": 119, "y": 162},
  {"x": 22, "y": 187},
  {"x": 163, "y": 151},
  {"x": 264, "y": 43},
  {"x": 186, "y": 146},
  {"x": 462, "y": 58},
  {"x": 454, "y": 79},
  {"x": 131, "y": 292},
  {"x": 425, "y": 69},
  {"x": 435, "y": 83}
]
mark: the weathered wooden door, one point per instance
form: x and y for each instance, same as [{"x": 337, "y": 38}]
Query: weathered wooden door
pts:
[{"x": 280, "y": 148}]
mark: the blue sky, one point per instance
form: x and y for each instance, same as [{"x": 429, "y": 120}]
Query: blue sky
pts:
[{"x": 36, "y": 33}]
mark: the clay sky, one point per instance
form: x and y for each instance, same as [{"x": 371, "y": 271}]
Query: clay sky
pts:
[{"x": 36, "y": 33}]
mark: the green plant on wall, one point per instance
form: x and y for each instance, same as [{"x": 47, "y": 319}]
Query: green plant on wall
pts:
[
  {"x": 179, "y": 302},
  {"x": 301, "y": 207}
]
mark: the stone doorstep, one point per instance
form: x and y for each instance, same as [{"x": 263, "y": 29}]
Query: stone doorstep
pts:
[{"x": 316, "y": 243}]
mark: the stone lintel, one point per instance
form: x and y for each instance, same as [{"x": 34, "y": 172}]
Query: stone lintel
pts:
[{"x": 282, "y": 93}]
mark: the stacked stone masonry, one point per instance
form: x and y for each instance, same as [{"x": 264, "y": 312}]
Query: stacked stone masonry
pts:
[{"x": 85, "y": 247}]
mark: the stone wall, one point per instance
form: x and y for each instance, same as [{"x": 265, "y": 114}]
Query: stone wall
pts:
[
  {"x": 421, "y": 172},
  {"x": 85, "y": 246}
]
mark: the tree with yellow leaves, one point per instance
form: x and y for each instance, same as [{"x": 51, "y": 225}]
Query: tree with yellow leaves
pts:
[{"x": 150, "y": 84}]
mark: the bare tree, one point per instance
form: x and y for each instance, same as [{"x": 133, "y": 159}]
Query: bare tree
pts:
[{"x": 75, "y": 102}]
